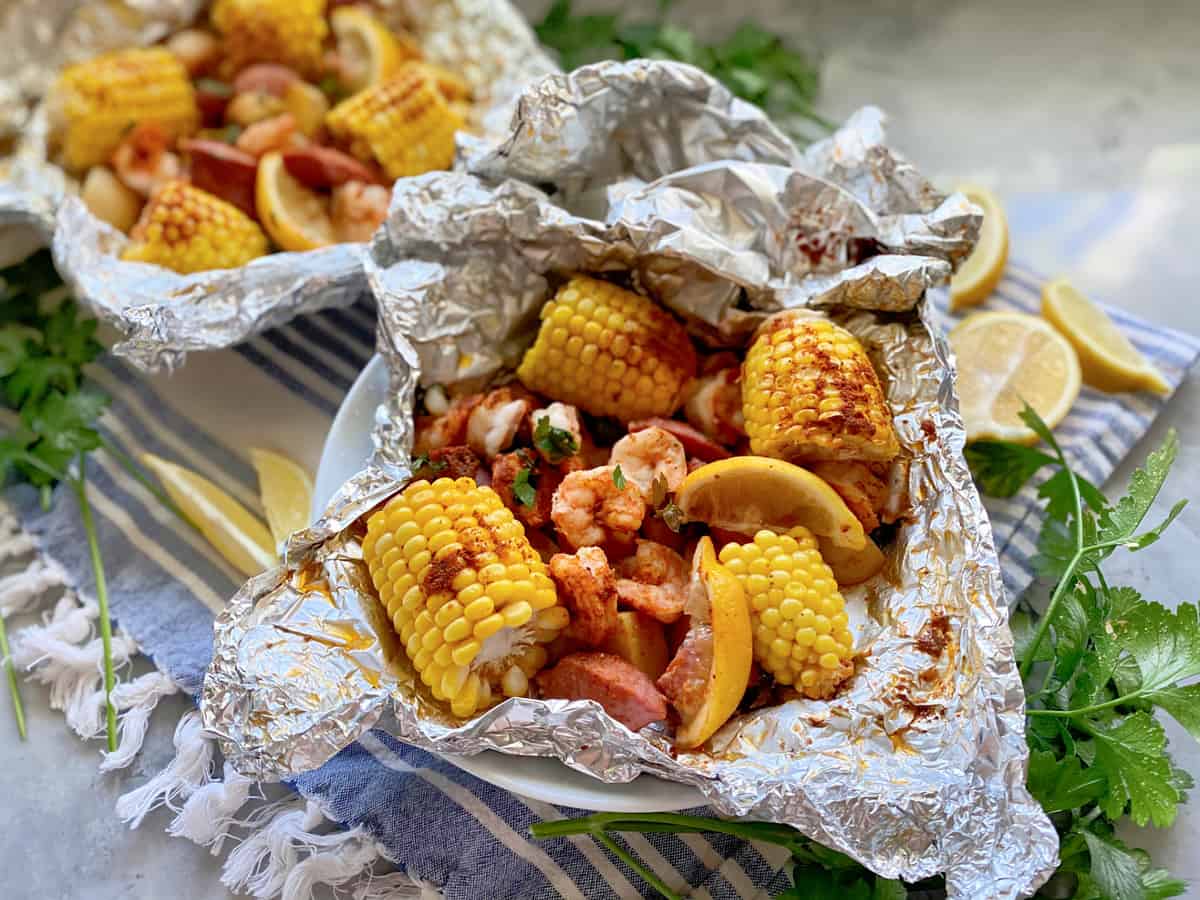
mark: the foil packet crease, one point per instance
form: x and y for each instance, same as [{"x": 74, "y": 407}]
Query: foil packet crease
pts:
[
  {"x": 163, "y": 315},
  {"x": 919, "y": 766}
]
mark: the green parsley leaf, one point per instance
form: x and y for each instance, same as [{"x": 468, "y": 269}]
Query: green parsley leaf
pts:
[
  {"x": 1071, "y": 632},
  {"x": 422, "y": 464},
  {"x": 1001, "y": 468},
  {"x": 1021, "y": 624},
  {"x": 1061, "y": 785},
  {"x": 1145, "y": 483},
  {"x": 618, "y": 478},
  {"x": 1133, "y": 757},
  {"x": 1114, "y": 870},
  {"x": 523, "y": 488},
  {"x": 1056, "y": 490},
  {"x": 556, "y": 444},
  {"x": 1166, "y": 647}
]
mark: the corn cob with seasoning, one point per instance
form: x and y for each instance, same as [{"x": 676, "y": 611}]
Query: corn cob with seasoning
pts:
[
  {"x": 609, "y": 351},
  {"x": 94, "y": 104},
  {"x": 186, "y": 230},
  {"x": 809, "y": 392},
  {"x": 468, "y": 595},
  {"x": 290, "y": 32},
  {"x": 800, "y": 624},
  {"x": 404, "y": 124}
]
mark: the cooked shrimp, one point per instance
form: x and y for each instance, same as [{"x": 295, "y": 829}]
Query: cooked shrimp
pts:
[
  {"x": 649, "y": 454},
  {"x": 715, "y": 406},
  {"x": 859, "y": 484},
  {"x": 447, "y": 429},
  {"x": 654, "y": 581},
  {"x": 495, "y": 420},
  {"x": 142, "y": 160},
  {"x": 588, "y": 588},
  {"x": 358, "y": 209},
  {"x": 261, "y": 137},
  {"x": 589, "y": 508}
]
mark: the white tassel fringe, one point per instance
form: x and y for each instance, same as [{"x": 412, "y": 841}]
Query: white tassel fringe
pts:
[{"x": 282, "y": 855}]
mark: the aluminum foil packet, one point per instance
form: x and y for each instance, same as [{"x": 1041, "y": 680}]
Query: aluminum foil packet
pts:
[
  {"x": 918, "y": 767},
  {"x": 161, "y": 314}
]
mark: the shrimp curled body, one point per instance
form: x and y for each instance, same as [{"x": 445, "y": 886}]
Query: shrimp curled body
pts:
[
  {"x": 649, "y": 454},
  {"x": 589, "y": 509}
]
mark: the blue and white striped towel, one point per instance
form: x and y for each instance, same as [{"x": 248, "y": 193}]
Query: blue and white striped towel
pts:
[{"x": 440, "y": 824}]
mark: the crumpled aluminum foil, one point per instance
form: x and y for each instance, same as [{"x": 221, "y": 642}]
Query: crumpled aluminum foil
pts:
[
  {"x": 919, "y": 767},
  {"x": 163, "y": 315}
]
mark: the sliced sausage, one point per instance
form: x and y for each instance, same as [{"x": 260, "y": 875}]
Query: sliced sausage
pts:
[
  {"x": 451, "y": 462},
  {"x": 223, "y": 170},
  {"x": 544, "y": 479},
  {"x": 212, "y": 97},
  {"x": 315, "y": 166},
  {"x": 685, "y": 683},
  {"x": 694, "y": 441},
  {"x": 626, "y": 693},
  {"x": 265, "y": 78},
  {"x": 588, "y": 588}
]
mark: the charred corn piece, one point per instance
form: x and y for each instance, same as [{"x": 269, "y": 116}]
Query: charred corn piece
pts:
[
  {"x": 453, "y": 87},
  {"x": 95, "y": 103},
  {"x": 609, "y": 351},
  {"x": 468, "y": 595},
  {"x": 189, "y": 230},
  {"x": 404, "y": 124},
  {"x": 290, "y": 32},
  {"x": 809, "y": 392},
  {"x": 800, "y": 624}
]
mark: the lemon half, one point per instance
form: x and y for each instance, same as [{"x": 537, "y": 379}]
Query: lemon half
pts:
[{"x": 1008, "y": 359}]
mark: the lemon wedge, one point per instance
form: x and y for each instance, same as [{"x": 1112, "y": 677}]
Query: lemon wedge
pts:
[
  {"x": 286, "y": 490},
  {"x": 852, "y": 566},
  {"x": 747, "y": 493},
  {"x": 1008, "y": 359},
  {"x": 1108, "y": 360},
  {"x": 295, "y": 217},
  {"x": 368, "y": 50},
  {"x": 233, "y": 531},
  {"x": 979, "y": 274},
  {"x": 732, "y": 646}
]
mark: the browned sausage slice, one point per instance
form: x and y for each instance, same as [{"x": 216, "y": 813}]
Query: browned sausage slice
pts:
[
  {"x": 626, "y": 693},
  {"x": 223, "y": 170},
  {"x": 315, "y": 166}
]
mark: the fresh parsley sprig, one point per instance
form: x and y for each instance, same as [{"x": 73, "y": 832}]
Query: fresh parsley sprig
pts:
[
  {"x": 755, "y": 64},
  {"x": 45, "y": 346},
  {"x": 556, "y": 444},
  {"x": 1097, "y": 664}
]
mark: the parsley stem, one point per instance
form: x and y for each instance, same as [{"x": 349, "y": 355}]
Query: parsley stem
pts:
[
  {"x": 137, "y": 474},
  {"x": 630, "y": 860},
  {"x": 79, "y": 483},
  {"x": 1086, "y": 710},
  {"x": 13, "y": 688},
  {"x": 673, "y": 822},
  {"x": 1068, "y": 578}
]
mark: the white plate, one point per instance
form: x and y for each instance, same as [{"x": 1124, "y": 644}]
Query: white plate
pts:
[{"x": 548, "y": 780}]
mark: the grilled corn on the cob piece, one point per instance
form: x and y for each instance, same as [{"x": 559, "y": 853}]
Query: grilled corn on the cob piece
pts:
[
  {"x": 291, "y": 32},
  {"x": 468, "y": 595},
  {"x": 95, "y": 103},
  {"x": 609, "y": 351},
  {"x": 189, "y": 230},
  {"x": 404, "y": 124},
  {"x": 809, "y": 392},
  {"x": 800, "y": 624}
]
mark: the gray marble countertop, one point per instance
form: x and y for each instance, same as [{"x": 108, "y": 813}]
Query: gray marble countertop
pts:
[{"x": 1032, "y": 98}]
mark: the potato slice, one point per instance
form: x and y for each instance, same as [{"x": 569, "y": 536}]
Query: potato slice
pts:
[{"x": 639, "y": 639}]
